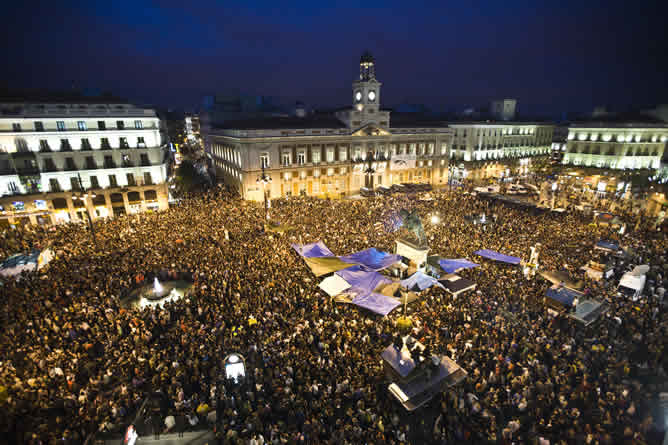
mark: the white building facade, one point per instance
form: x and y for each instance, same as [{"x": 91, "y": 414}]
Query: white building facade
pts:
[
  {"x": 338, "y": 154},
  {"x": 51, "y": 153},
  {"x": 616, "y": 146}
]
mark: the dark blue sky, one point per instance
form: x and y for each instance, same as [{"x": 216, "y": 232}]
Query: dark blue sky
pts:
[{"x": 571, "y": 55}]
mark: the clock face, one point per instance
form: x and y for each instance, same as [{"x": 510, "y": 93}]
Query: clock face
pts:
[
  {"x": 372, "y": 95},
  {"x": 358, "y": 96}
]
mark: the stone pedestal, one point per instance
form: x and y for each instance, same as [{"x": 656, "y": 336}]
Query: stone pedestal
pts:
[{"x": 415, "y": 253}]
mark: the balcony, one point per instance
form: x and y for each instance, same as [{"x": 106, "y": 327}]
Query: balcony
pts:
[
  {"x": 50, "y": 169},
  {"x": 91, "y": 166},
  {"x": 109, "y": 164},
  {"x": 147, "y": 164},
  {"x": 127, "y": 164},
  {"x": 70, "y": 168},
  {"x": 27, "y": 171}
]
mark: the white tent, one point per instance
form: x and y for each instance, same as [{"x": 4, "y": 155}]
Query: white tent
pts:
[{"x": 334, "y": 285}]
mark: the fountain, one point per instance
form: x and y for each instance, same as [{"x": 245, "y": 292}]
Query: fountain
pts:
[
  {"x": 157, "y": 287},
  {"x": 158, "y": 293}
]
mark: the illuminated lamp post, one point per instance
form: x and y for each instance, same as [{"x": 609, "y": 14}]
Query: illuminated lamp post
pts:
[{"x": 264, "y": 179}]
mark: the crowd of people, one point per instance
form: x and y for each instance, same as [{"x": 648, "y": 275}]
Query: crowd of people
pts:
[{"x": 75, "y": 360}]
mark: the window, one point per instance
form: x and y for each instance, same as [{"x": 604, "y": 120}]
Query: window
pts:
[
  {"x": 343, "y": 154},
  {"x": 315, "y": 155},
  {"x": 131, "y": 179},
  {"x": 301, "y": 158},
  {"x": 82, "y": 126},
  {"x": 316, "y": 173},
  {"x": 264, "y": 160},
  {"x": 101, "y": 125},
  {"x": 60, "y": 125},
  {"x": 74, "y": 183},
  {"x": 104, "y": 144},
  {"x": 144, "y": 159},
  {"x": 140, "y": 141},
  {"x": 112, "y": 181},
  {"x": 330, "y": 172},
  {"x": 90, "y": 163},
  {"x": 94, "y": 183},
  {"x": 123, "y": 142},
  {"x": 109, "y": 162},
  {"x": 16, "y": 127},
  {"x": 54, "y": 186},
  {"x": 44, "y": 145},
  {"x": 147, "y": 178},
  {"x": 39, "y": 126},
  {"x": 69, "y": 164},
  {"x": 285, "y": 159},
  {"x": 120, "y": 125},
  {"x": 85, "y": 144},
  {"x": 330, "y": 155},
  {"x": 65, "y": 145},
  {"x": 138, "y": 125}
]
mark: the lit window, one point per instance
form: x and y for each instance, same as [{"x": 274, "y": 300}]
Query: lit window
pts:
[
  {"x": 139, "y": 125},
  {"x": 60, "y": 125},
  {"x": 81, "y": 125},
  {"x": 301, "y": 158},
  {"x": 264, "y": 160}
]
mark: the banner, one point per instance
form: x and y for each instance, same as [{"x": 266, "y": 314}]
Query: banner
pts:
[{"x": 402, "y": 162}]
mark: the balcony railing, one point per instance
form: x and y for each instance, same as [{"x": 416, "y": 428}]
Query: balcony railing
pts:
[
  {"x": 28, "y": 171},
  {"x": 50, "y": 169},
  {"x": 109, "y": 164},
  {"x": 91, "y": 165},
  {"x": 70, "y": 168}
]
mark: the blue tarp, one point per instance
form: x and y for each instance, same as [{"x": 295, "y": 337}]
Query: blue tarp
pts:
[
  {"x": 372, "y": 258},
  {"x": 451, "y": 266},
  {"x": 421, "y": 280},
  {"x": 498, "y": 256},
  {"x": 607, "y": 245},
  {"x": 563, "y": 295},
  {"x": 313, "y": 250},
  {"x": 377, "y": 303},
  {"x": 362, "y": 282}
]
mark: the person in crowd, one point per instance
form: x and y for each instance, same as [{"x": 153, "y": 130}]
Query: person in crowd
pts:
[{"x": 77, "y": 360}]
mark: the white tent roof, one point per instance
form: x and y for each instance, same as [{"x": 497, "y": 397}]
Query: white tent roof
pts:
[
  {"x": 640, "y": 270},
  {"x": 334, "y": 285}
]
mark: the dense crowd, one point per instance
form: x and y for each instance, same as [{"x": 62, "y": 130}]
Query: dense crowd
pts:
[{"x": 76, "y": 360}]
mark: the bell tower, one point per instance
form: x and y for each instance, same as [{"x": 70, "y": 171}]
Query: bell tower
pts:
[
  {"x": 366, "y": 98},
  {"x": 366, "y": 90}
]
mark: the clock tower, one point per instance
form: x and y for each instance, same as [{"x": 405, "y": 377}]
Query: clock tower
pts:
[{"x": 366, "y": 99}]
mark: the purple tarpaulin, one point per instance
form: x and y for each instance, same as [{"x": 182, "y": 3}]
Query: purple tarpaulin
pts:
[
  {"x": 372, "y": 258},
  {"x": 313, "y": 250},
  {"x": 451, "y": 266},
  {"x": 420, "y": 281},
  {"x": 378, "y": 303},
  {"x": 498, "y": 256},
  {"x": 362, "y": 282}
]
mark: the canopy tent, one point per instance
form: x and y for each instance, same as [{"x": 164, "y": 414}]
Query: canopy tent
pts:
[
  {"x": 562, "y": 277},
  {"x": 608, "y": 246},
  {"x": 419, "y": 281},
  {"x": 450, "y": 266},
  {"x": 362, "y": 282},
  {"x": 562, "y": 296},
  {"x": 325, "y": 265},
  {"x": 18, "y": 263},
  {"x": 378, "y": 303},
  {"x": 334, "y": 285},
  {"x": 313, "y": 250},
  {"x": 372, "y": 258},
  {"x": 456, "y": 284},
  {"x": 492, "y": 255}
]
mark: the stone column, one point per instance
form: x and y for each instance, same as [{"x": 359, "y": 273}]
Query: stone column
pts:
[{"x": 70, "y": 208}]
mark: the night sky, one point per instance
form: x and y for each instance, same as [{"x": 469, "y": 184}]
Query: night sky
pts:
[{"x": 570, "y": 56}]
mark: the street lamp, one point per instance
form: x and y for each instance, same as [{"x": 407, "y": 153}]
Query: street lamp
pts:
[
  {"x": 369, "y": 171},
  {"x": 264, "y": 179},
  {"x": 83, "y": 197}
]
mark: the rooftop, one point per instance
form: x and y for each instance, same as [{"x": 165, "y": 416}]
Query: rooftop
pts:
[{"x": 276, "y": 123}]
